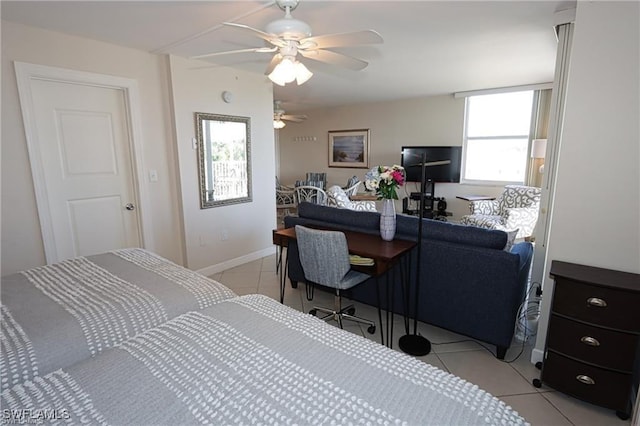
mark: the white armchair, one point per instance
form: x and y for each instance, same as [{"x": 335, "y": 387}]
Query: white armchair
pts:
[
  {"x": 310, "y": 194},
  {"x": 516, "y": 208},
  {"x": 285, "y": 200},
  {"x": 352, "y": 186},
  {"x": 337, "y": 197}
]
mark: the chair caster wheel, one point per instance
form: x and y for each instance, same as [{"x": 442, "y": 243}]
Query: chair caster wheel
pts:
[
  {"x": 351, "y": 311},
  {"x": 371, "y": 329},
  {"x": 539, "y": 365},
  {"x": 313, "y": 312},
  {"x": 537, "y": 383}
]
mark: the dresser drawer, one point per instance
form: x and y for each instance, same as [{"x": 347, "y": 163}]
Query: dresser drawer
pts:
[
  {"x": 606, "y": 348},
  {"x": 608, "y": 307},
  {"x": 606, "y": 388}
]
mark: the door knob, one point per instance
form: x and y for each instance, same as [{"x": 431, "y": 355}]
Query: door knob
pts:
[{"x": 130, "y": 206}]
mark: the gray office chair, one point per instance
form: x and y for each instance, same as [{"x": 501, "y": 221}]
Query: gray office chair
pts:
[{"x": 325, "y": 261}]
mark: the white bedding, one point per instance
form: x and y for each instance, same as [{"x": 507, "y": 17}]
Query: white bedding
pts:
[{"x": 127, "y": 337}]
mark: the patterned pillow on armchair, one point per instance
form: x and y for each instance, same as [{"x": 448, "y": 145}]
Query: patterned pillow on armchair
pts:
[
  {"x": 515, "y": 209},
  {"x": 336, "y": 197}
]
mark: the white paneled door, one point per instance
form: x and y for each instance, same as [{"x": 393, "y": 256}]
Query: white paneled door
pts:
[{"x": 82, "y": 138}]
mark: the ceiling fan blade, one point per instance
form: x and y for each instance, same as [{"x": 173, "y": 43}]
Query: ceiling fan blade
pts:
[
  {"x": 334, "y": 58},
  {"x": 274, "y": 61},
  {"x": 294, "y": 118},
  {"x": 355, "y": 38},
  {"x": 271, "y": 38},
  {"x": 230, "y": 52}
]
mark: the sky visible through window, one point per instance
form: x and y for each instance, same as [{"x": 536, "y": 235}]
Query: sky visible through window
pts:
[{"x": 497, "y": 136}]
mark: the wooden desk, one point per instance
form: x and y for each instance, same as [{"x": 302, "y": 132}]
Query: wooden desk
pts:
[
  {"x": 384, "y": 253},
  {"x": 363, "y": 197}
]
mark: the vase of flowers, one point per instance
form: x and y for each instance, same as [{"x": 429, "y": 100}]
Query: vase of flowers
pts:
[{"x": 385, "y": 180}]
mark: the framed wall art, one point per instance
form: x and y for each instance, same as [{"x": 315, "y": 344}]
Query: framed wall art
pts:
[{"x": 349, "y": 148}]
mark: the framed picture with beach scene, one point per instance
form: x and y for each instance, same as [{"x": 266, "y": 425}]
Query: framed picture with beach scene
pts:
[{"x": 349, "y": 148}]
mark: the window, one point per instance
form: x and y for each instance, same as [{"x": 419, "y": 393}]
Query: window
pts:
[{"x": 496, "y": 137}]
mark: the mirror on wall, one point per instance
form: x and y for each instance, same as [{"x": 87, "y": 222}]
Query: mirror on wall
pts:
[{"x": 224, "y": 150}]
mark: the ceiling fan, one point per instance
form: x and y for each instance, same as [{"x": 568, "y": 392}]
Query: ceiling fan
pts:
[
  {"x": 279, "y": 117},
  {"x": 289, "y": 37}
]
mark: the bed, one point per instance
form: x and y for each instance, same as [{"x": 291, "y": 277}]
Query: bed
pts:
[{"x": 153, "y": 343}]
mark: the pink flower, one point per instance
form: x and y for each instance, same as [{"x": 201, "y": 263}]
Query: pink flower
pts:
[{"x": 398, "y": 176}]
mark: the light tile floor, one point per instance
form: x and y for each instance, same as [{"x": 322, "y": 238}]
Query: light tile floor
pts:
[{"x": 464, "y": 357}]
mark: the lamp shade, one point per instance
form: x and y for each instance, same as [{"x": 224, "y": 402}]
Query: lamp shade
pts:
[
  {"x": 288, "y": 70},
  {"x": 278, "y": 124},
  {"x": 284, "y": 72},
  {"x": 302, "y": 73},
  {"x": 538, "y": 148}
]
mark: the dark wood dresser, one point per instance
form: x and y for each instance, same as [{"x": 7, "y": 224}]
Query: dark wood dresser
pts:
[{"x": 593, "y": 340}]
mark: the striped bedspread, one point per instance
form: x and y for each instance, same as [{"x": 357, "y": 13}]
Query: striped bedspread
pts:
[
  {"x": 57, "y": 315},
  {"x": 250, "y": 360}
]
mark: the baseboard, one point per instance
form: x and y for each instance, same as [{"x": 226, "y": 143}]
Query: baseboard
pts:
[
  {"x": 537, "y": 356},
  {"x": 214, "y": 269}
]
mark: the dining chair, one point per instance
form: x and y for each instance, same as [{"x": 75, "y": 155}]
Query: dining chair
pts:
[{"x": 310, "y": 194}]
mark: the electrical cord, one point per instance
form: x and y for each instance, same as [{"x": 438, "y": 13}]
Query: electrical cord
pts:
[
  {"x": 488, "y": 349},
  {"x": 526, "y": 307},
  {"x": 529, "y": 310}
]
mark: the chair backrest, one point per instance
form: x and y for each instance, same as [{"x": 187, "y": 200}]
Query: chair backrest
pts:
[
  {"x": 519, "y": 196},
  {"x": 352, "y": 186},
  {"x": 285, "y": 197},
  {"x": 317, "y": 177},
  {"x": 311, "y": 194},
  {"x": 324, "y": 255},
  {"x": 316, "y": 183}
]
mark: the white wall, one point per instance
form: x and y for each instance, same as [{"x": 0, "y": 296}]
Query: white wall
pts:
[
  {"x": 596, "y": 214},
  {"x": 198, "y": 89},
  {"x": 21, "y": 239},
  {"x": 436, "y": 120},
  {"x": 178, "y": 223}
]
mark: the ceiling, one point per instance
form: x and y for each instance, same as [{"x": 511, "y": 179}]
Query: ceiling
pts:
[{"x": 430, "y": 47}]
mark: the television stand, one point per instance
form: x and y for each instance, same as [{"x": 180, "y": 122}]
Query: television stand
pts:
[
  {"x": 429, "y": 214},
  {"x": 431, "y": 210}
]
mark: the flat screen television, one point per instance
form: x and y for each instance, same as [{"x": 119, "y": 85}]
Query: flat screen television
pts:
[{"x": 446, "y": 169}]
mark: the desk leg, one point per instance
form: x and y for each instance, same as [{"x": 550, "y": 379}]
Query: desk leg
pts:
[
  {"x": 390, "y": 314},
  {"x": 379, "y": 310},
  {"x": 283, "y": 273}
]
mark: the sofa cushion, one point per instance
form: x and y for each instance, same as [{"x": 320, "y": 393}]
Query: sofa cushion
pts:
[
  {"x": 407, "y": 226},
  {"x": 451, "y": 232},
  {"x": 348, "y": 218}
]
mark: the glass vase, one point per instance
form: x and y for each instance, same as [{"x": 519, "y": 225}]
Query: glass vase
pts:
[{"x": 388, "y": 220}]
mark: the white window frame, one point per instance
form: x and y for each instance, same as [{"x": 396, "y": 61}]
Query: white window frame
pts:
[{"x": 532, "y": 131}]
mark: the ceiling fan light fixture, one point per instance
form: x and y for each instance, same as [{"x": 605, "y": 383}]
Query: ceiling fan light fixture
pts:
[
  {"x": 302, "y": 73},
  {"x": 284, "y": 72},
  {"x": 288, "y": 70},
  {"x": 278, "y": 124}
]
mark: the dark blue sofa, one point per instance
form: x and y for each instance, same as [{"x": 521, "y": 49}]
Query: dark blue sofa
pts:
[{"x": 468, "y": 283}]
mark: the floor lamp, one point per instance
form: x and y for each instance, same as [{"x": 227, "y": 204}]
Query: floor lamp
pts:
[{"x": 414, "y": 344}]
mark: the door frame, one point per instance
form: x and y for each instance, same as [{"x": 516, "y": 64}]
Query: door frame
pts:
[{"x": 25, "y": 74}]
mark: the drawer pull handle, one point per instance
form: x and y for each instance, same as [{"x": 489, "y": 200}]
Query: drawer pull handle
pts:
[
  {"x": 597, "y": 302},
  {"x": 591, "y": 341},
  {"x": 585, "y": 379}
]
